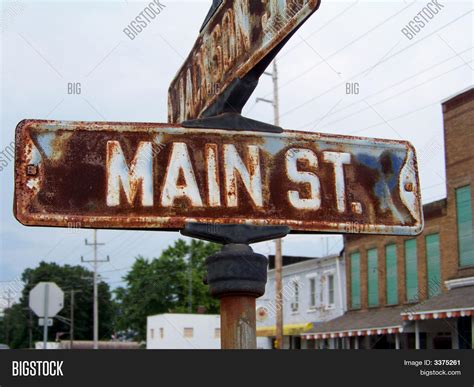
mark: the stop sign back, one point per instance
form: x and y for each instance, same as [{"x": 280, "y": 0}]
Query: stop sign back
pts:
[{"x": 46, "y": 297}]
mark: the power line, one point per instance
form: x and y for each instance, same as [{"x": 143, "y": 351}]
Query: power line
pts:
[
  {"x": 365, "y": 70},
  {"x": 386, "y": 88},
  {"x": 339, "y": 50},
  {"x": 393, "y": 96},
  {"x": 345, "y": 47},
  {"x": 286, "y": 52}
]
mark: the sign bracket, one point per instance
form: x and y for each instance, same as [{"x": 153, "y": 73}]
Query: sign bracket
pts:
[
  {"x": 225, "y": 113},
  {"x": 232, "y": 121}
]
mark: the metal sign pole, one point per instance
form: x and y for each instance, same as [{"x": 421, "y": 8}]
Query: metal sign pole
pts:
[
  {"x": 238, "y": 322},
  {"x": 236, "y": 275},
  {"x": 45, "y": 317}
]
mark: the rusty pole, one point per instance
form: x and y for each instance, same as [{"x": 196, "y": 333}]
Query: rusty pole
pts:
[
  {"x": 236, "y": 275},
  {"x": 238, "y": 322}
]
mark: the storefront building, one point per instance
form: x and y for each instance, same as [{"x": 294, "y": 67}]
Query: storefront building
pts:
[
  {"x": 313, "y": 292},
  {"x": 417, "y": 292}
]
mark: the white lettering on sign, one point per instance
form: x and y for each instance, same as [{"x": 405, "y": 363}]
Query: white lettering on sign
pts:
[
  {"x": 314, "y": 201},
  {"x": 213, "y": 176},
  {"x": 250, "y": 176},
  {"x": 137, "y": 177},
  {"x": 213, "y": 60},
  {"x": 339, "y": 160},
  {"x": 180, "y": 165},
  {"x": 180, "y": 178}
]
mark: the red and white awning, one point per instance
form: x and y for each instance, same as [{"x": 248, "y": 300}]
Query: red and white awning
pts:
[
  {"x": 437, "y": 314},
  {"x": 354, "y": 333}
]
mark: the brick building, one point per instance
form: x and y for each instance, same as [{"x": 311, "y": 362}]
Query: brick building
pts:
[{"x": 418, "y": 292}]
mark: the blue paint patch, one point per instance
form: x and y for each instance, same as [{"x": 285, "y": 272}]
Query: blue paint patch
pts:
[
  {"x": 45, "y": 141},
  {"x": 379, "y": 189},
  {"x": 368, "y": 161},
  {"x": 385, "y": 182},
  {"x": 392, "y": 182}
]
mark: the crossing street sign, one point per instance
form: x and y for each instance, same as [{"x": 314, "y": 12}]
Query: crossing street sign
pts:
[
  {"x": 236, "y": 43},
  {"x": 161, "y": 176}
]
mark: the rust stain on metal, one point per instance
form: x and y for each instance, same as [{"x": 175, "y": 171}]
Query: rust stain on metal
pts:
[
  {"x": 238, "y": 322},
  {"x": 237, "y": 38},
  {"x": 160, "y": 176}
]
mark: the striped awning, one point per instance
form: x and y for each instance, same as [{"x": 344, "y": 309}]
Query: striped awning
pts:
[
  {"x": 437, "y": 314},
  {"x": 353, "y": 333},
  {"x": 456, "y": 302}
]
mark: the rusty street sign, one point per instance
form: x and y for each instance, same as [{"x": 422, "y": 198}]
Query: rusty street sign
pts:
[
  {"x": 160, "y": 176},
  {"x": 235, "y": 45}
]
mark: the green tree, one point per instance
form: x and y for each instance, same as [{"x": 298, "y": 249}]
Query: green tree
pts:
[
  {"x": 162, "y": 285},
  {"x": 19, "y": 321}
]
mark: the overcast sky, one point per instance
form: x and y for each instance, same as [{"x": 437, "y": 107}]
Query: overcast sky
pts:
[{"x": 46, "y": 45}]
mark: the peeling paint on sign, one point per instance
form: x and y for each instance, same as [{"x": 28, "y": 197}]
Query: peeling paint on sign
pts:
[{"x": 238, "y": 37}]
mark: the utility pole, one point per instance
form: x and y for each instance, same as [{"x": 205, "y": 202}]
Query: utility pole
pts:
[
  {"x": 278, "y": 248},
  {"x": 9, "y": 299},
  {"x": 190, "y": 284},
  {"x": 95, "y": 263},
  {"x": 71, "y": 316}
]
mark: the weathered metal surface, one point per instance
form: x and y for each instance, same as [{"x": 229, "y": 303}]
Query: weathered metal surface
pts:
[
  {"x": 161, "y": 176},
  {"x": 232, "y": 50},
  {"x": 238, "y": 322}
]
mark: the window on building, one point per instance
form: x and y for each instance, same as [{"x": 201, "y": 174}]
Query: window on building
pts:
[
  {"x": 331, "y": 290},
  {"x": 391, "y": 274},
  {"x": 433, "y": 264},
  {"x": 411, "y": 270},
  {"x": 464, "y": 222},
  {"x": 373, "y": 277},
  {"x": 152, "y": 333},
  {"x": 217, "y": 333},
  {"x": 312, "y": 293},
  {"x": 162, "y": 333},
  {"x": 355, "y": 280},
  {"x": 295, "y": 305},
  {"x": 188, "y": 333}
]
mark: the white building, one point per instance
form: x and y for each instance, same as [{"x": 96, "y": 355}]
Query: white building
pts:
[
  {"x": 313, "y": 292},
  {"x": 183, "y": 331}
]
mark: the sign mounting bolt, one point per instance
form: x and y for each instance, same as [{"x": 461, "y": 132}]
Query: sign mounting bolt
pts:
[{"x": 32, "y": 170}]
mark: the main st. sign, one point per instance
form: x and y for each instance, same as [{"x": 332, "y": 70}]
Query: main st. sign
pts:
[{"x": 161, "y": 176}]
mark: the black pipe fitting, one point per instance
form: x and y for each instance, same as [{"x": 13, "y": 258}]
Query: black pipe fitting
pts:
[{"x": 236, "y": 270}]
